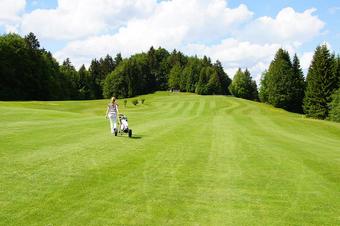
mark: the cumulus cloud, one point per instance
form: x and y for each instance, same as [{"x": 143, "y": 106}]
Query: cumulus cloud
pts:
[
  {"x": 236, "y": 54},
  {"x": 288, "y": 26},
  {"x": 10, "y": 11},
  {"x": 81, "y": 18},
  {"x": 92, "y": 29},
  {"x": 173, "y": 24},
  {"x": 306, "y": 60}
]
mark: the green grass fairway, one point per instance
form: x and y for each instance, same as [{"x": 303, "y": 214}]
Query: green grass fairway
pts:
[{"x": 194, "y": 160}]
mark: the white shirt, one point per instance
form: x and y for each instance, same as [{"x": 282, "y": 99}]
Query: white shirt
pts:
[{"x": 113, "y": 108}]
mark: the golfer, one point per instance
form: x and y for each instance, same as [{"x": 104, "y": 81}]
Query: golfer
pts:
[{"x": 111, "y": 113}]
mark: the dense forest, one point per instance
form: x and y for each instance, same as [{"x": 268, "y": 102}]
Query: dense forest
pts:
[{"x": 29, "y": 72}]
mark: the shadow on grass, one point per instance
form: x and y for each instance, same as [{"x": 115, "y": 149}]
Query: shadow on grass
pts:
[{"x": 134, "y": 136}]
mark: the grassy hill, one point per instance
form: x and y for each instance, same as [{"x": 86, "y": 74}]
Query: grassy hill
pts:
[{"x": 194, "y": 160}]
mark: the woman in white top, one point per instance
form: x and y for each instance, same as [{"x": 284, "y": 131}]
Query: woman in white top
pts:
[{"x": 111, "y": 113}]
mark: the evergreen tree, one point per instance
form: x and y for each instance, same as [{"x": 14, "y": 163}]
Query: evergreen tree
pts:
[
  {"x": 254, "y": 91},
  {"x": 118, "y": 59},
  {"x": 84, "y": 84},
  {"x": 159, "y": 69},
  {"x": 177, "y": 58},
  {"x": 71, "y": 79},
  {"x": 175, "y": 77},
  {"x": 337, "y": 69},
  {"x": 235, "y": 88},
  {"x": 28, "y": 72},
  {"x": 322, "y": 82},
  {"x": 250, "y": 86},
  {"x": 263, "y": 94},
  {"x": 283, "y": 84},
  {"x": 183, "y": 81},
  {"x": 280, "y": 76},
  {"x": 32, "y": 41},
  {"x": 223, "y": 78},
  {"x": 107, "y": 66},
  {"x": 206, "y": 61},
  {"x": 96, "y": 78},
  {"x": 116, "y": 83},
  {"x": 191, "y": 72},
  {"x": 188, "y": 74},
  {"x": 146, "y": 79},
  {"x": 214, "y": 84},
  {"x": 243, "y": 86},
  {"x": 297, "y": 87},
  {"x": 334, "y": 107}
]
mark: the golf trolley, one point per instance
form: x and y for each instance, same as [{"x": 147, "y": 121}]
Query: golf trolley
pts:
[{"x": 123, "y": 126}]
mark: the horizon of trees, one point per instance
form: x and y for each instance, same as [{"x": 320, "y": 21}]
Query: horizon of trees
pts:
[
  {"x": 158, "y": 69},
  {"x": 29, "y": 72}
]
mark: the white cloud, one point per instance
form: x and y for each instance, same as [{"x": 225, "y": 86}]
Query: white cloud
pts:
[
  {"x": 197, "y": 27},
  {"x": 10, "y": 11},
  {"x": 306, "y": 60},
  {"x": 173, "y": 24},
  {"x": 11, "y": 28},
  {"x": 289, "y": 26},
  {"x": 81, "y": 18},
  {"x": 234, "y": 54}
]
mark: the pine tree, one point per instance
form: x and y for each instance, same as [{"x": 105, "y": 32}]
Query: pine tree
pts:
[
  {"x": 283, "y": 84},
  {"x": 107, "y": 66},
  {"x": 263, "y": 94},
  {"x": 175, "y": 77},
  {"x": 337, "y": 69},
  {"x": 234, "y": 87},
  {"x": 32, "y": 41},
  {"x": 297, "y": 87},
  {"x": 71, "y": 77},
  {"x": 322, "y": 82},
  {"x": 334, "y": 106},
  {"x": 279, "y": 80},
  {"x": 203, "y": 80},
  {"x": 214, "y": 84},
  {"x": 223, "y": 78},
  {"x": 254, "y": 91},
  {"x": 84, "y": 85},
  {"x": 96, "y": 76},
  {"x": 118, "y": 59},
  {"x": 243, "y": 86}
]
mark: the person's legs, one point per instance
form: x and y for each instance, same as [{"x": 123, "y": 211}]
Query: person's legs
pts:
[{"x": 113, "y": 123}]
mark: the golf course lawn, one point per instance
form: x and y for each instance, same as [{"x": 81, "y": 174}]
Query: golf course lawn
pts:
[{"x": 193, "y": 160}]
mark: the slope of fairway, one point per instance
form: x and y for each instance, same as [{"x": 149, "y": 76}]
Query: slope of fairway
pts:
[{"x": 194, "y": 160}]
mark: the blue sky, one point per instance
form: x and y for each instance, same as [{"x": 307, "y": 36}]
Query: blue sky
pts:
[{"x": 239, "y": 33}]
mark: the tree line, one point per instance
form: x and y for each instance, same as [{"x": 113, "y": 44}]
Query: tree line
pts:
[
  {"x": 283, "y": 84},
  {"x": 158, "y": 69},
  {"x": 28, "y": 72}
]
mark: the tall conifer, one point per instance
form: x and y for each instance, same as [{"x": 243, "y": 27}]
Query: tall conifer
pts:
[{"x": 322, "y": 82}]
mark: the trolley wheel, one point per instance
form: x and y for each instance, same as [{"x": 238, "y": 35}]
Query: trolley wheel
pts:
[{"x": 130, "y": 132}]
